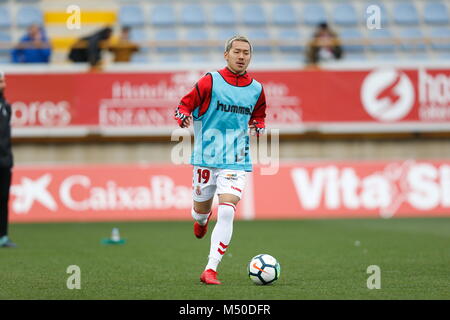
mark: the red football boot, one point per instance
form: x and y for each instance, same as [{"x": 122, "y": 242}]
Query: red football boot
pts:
[
  {"x": 209, "y": 277},
  {"x": 200, "y": 230}
]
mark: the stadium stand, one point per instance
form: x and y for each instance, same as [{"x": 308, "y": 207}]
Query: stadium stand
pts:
[
  {"x": 294, "y": 42},
  {"x": 413, "y": 41},
  {"x": 29, "y": 14},
  {"x": 163, "y": 37},
  {"x": 5, "y": 39},
  {"x": 367, "y": 10},
  {"x": 163, "y": 15},
  {"x": 196, "y": 40},
  {"x": 280, "y": 28},
  {"x": 406, "y": 14},
  {"x": 5, "y": 18},
  {"x": 131, "y": 15},
  {"x": 313, "y": 14},
  {"x": 260, "y": 38},
  {"x": 435, "y": 13},
  {"x": 253, "y": 15},
  {"x": 439, "y": 34},
  {"x": 193, "y": 15},
  {"x": 350, "y": 38},
  {"x": 381, "y": 41},
  {"x": 284, "y": 15},
  {"x": 223, "y": 15},
  {"x": 345, "y": 15}
]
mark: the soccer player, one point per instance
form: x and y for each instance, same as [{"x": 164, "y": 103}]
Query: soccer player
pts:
[{"x": 223, "y": 106}]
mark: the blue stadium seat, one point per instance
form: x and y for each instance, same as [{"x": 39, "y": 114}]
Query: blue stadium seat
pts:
[
  {"x": 253, "y": 15},
  {"x": 440, "y": 39},
  {"x": 257, "y": 35},
  {"x": 5, "y": 38},
  {"x": 352, "y": 40},
  {"x": 381, "y": 40},
  {"x": 223, "y": 35},
  {"x": 27, "y": 15},
  {"x": 294, "y": 43},
  {"x": 5, "y": 17},
  {"x": 164, "y": 35},
  {"x": 140, "y": 58},
  {"x": 406, "y": 14},
  {"x": 313, "y": 14},
  {"x": 436, "y": 13},
  {"x": 284, "y": 15},
  {"x": 412, "y": 40},
  {"x": 223, "y": 15},
  {"x": 345, "y": 15},
  {"x": 131, "y": 15},
  {"x": 199, "y": 39},
  {"x": 163, "y": 15},
  {"x": 139, "y": 36},
  {"x": 193, "y": 15}
]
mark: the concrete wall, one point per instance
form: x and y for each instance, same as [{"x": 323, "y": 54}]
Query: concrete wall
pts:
[{"x": 154, "y": 152}]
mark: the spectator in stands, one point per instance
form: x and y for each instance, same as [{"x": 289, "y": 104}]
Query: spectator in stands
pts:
[
  {"x": 33, "y": 47},
  {"x": 123, "y": 49},
  {"x": 325, "y": 45},
  {"x": 89, "y": 48}
]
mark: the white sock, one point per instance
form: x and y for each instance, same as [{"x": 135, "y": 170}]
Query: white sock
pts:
[
  {"x": 201, "y": 218},
  {"x": 221, "y": 235}
]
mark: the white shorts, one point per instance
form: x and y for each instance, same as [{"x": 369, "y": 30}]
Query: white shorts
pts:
[{"x": 206, "y": 181}]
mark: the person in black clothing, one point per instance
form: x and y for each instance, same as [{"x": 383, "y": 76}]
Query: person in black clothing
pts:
[
  {"x": 89, "y": 49},
  {"x": 6, "y": 164},
  {"x": 325, "y": 45}
]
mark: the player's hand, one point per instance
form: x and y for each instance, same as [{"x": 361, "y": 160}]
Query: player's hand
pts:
[
  {"x": 183, "y": 118},
  {"x": 257, "y": 128}
]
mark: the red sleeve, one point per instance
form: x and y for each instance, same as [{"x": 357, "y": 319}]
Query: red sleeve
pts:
[
  {"x": 259, "y": 112},
  {"x": 199, "y": 96}
]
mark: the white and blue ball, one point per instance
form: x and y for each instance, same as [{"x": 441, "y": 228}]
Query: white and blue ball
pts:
[{"x": 264, "y": 269}]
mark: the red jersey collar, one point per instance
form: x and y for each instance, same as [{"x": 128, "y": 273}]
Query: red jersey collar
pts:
[{"x": 234, "y": 78}]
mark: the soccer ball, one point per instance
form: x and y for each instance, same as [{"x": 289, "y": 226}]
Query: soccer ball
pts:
[{"x": 263, "y": 269}]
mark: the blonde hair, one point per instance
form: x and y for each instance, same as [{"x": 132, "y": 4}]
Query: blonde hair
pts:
[{"x": 230, "y": 41}]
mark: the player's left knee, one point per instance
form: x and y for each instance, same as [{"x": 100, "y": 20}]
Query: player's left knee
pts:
[{"x": 226, "y": 211}]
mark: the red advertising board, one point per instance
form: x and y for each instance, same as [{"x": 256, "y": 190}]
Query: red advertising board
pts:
[
  {"x": 298, "y": 190},
  {"x": 358, "y": 100},
  {"x": 100, "y": 193},
  {"x": 355, "y": 189}
]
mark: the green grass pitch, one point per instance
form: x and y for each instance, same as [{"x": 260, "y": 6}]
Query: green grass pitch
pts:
[{"x": 320, "y": 259}]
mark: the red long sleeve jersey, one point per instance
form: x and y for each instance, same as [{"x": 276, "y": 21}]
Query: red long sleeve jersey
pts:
[{"x": 200, "y": 95}]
